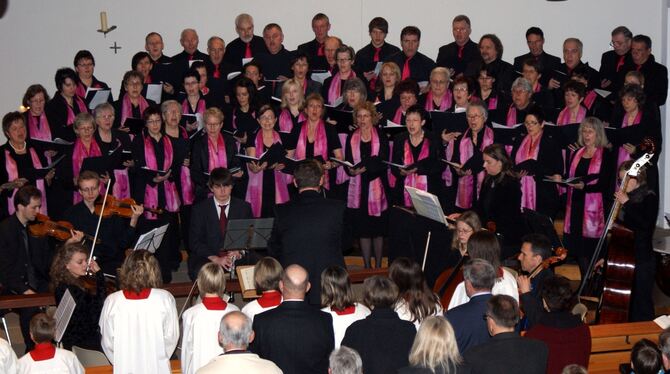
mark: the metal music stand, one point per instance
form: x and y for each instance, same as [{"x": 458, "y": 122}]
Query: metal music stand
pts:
[
  {"x": 247, "y": 234},
  {"x": 152, "y": 239}
]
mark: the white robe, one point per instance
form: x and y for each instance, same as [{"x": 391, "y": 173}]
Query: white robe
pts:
[
  {"x": 405, "y": 315},
  {"x": 341, "y": 322},
  {"x": 63, "y": 362},
  {"x": 253, "y": 308},
  {"x": 8, "y": 361},
  {"x": 503, "y": 286},
  {"x": 200, "y": 339},
  {"x": 139, "y": 336}
]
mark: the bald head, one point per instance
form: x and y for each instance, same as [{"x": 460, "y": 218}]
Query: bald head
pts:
[
  {"x": 235, "y": 331},
  {"x": 330, "y": 46},
  {"x": 189, "y": 40},
  {"x": 294, "y": 282}
]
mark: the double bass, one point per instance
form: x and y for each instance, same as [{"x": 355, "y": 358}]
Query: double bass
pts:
[{"x": 614, "y": 302}]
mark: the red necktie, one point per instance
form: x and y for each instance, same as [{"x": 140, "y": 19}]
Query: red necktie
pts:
[
  {"x": 147, "y": 80},
  {"x": 620, "y": 63},
  {"x": 190, "y": 57},
  {"x": 319, "y": 52},
  {"x": 375, "y": 58},
  {"x": 460, "y": 52},
  {"x": 217, "y": 72},
  {"x": 247, "y": 51},
  {"x": 638, "y": 67},
  {"x": 223, "y": 220},
  {"x": 405, "y": 70}
]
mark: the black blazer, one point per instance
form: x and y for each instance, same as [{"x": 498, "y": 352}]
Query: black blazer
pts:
[
  {"x": 447, "y": 56},
  {"x": 420, "y": 65},
  {"x": 468, "y": 322},
  {"x": 236, "y": 49},
  {"x": 365, "y": 56},
  {"x": 56, "y": 111},
  {"x": 382, "y": 340},
  {"x": 608, "y": 69},
  {"x": 15, "y": 260},
  {"x": 200, "y": 162},
  {"x": 205, "y": 238},
  {"x": 548, "y": 62},
  {"x": 308, "y": 231},
  {"x": 508, "y": 353},
  {"x": 295, "y": 336},
  {"x": 500, "y": 202}
]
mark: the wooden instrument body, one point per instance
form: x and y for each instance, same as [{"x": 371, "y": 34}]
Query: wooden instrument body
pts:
[{"x": 619, "y": 275}]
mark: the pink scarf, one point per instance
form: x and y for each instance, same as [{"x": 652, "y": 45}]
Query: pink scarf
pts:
[
  {"x": 564, "y": 116},
  {"x": 594, "y": 213},
  {"x": 389, "y": 175},
  {"x": 445, "y": 103},
  {"x": 186, "y": 106},
  {"x": 492, "y": 102},
  {"x": 415, "y": 180},
  {"x": 286, "y": 120},
  {"x": 81, "y": 88},
  {"x": 511, "y": 116},
  {"x": 623, "y": 155},
  {"x": 397, "y": 118},
  {"x": 187, "y": 193},
  {"x": 255, "y": 187},
  {"x": 217, "y": 155},
  {"x": 13, "y": 174},
  {"x": 79, "y": 153},
  {"x": 70, "y": 112},
  {"x": 335, "y": 89},
  {"x": 151, "y": 192},
  {"x": 589, "y": 99},
  {"x": 39, "y": 129},
  {"x": 528, "y": 186},
  {"x": 466, "y": 148},
  {"x": 376, "y": 198},
  {"x": 127, "y": 107},
  {"x": 447, "y": 175},
  {"x": 341, "y": 175},
  {"x": 320, "y": 146}
]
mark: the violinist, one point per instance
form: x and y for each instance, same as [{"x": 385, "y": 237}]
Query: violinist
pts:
[
  {"x": 68, "y": 270},
  {"x": 115, "y": 233},
  {"x": 24, "y": 259},
  {"x": 535, "y": 248},
  {"x": 638, "y": 213}
]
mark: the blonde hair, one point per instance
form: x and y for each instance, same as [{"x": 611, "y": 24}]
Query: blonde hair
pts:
[
  {"x": 267, "y": 273},
  {"x": 435, "y": 346},
  {"x": 370, "y": 108},
  {"x": 284, "y": 91},
  {"x": 394, "y": 68},
  {"x": 213, "y": 112},
  {"x": 211, "y": 279},
  {"x": 140, "y": 270},
  {"x": 597, "y": 125},
  {"x": 82, "y": 118},
  {"x": 471, "y": 219},
  {"x": 441, "y": 70}
]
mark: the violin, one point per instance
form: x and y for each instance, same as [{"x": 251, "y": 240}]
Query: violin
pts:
[
  {"x": 90, "y": 283},
  {"x": 120, "y": 207},
  {"x": 60, "y": 230}
]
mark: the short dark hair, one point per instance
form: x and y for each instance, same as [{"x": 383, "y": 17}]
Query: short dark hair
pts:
[
  {"x": 462, "y": 17},
  {"x": 496, "y": 43},
  {"x": 137, "y": 57},
  {"x": 146, "y": 38},
  {"x": 379, "y": 23},
  {"x": 464, "y": 80},
  {"x": 10, "y": 118},
  {"x": 634, "y": 91},
  {"x": 646, "y": 357},
  {"x": 535, "y": 31},
  {"x": 319, "y": 17},
  {"x": 642, "y": 39},
  {"x": 410, "y": 30},
  {"x": 379, "y": 292},
  {"x": 192, "y": 73},
  {"x": 83, "y": 55},
  {"x": 577, "y": 87},
  {"x": 131, "y": 74},
  {"x": 25, "y": 194},
  {"x": 62, "y": 74},
  {"x": 42, "y": 328},
  {"x": 582, "y": 71},
  {"x": 308, "y": 173},
  {"x": 556, "y": 292},
  {"x": 536, "y": 111},
  {"x": 150, "y": 111},
  {"x": 297, "y": 56},
  {"x": 255, "y": 63},
  {"x": 480, "y": 273},
  {"x": 533, "y": 63},
  {"x": 539, "y": 244},
  {"x": 407, "y": 85},
  {"x": 33, "y": 90},
  {"x": 272, "y": 25},
  {"x": 504, "y": 310},
  {"x": 220, "y": 177},
  {"x": 197, "y": 65},
  {"x": 417, "y": 109},
  {"x": 622, "y": 30}
]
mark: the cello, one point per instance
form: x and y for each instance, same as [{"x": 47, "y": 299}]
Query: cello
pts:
[{"x": 614, "y": 302}]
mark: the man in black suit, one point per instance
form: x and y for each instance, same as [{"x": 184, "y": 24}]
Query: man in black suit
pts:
[
  {"x": 25, "y": 259},
  {"x": 308, "y": 230},
  {"x": 462, "y": 52},
  {"x": 295, "y": 336},
  {"x": 572, "y": 58},
  {"x": 506, "y": 351},
  {"x": 246, "y": 46},
  {"x": 412, "y": 63},
  {"x": 615, "y": 63},
  {"x": 470, "y": 328},
  {"x": 217, "y": 71},
  {"x": 535, "y": 248},
  {"x": 535, "y": 42},
  {"x": 655, "y": 74},
  {"x": 276, "y": 61},
  {"x": 369, "y": 56},
  {"x": 491, "y": 52},
  {"x": 315, "y": 49},
  {"x": 209, "y": 219},
  {"x": 189, "y": 41}
]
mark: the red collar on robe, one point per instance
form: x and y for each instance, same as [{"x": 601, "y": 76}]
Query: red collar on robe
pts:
[
  {"x": 131, "y": 295},
  {"x": 43, "y": 351},
  {"x": 270, "y": 299},
  {"x": 348, "y": 310},
  {"x": 214, "y": 303}
]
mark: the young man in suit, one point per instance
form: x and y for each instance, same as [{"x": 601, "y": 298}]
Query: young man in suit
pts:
[{"x": 209, "y": 221}]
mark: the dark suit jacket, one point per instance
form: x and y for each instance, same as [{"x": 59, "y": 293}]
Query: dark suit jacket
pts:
[
  {"x": 503, "y": 72},
  {"x": 295, "y": 336},
  {"x": 508, "y": 353},
  {"x": 468, "y": 322},
  {"x": 14, "y": 260},
  {"x": 655, "y": 81},
  {"x": 382, "y": 339},
  {"x": 364, "y": 56},
  {"x": 420, "y": 65},
  {"x": 236, "y": 49},
  {"x": 608, "y": 69},
  {"x": 276, "y": 65},
  {"x": 308, "y": 231},
  {"x": 548, "y": 62},
  {"x": 205, "y": 234},
  {"x": 447, "y": 56}
]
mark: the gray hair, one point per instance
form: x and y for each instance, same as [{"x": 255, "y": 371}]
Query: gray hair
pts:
[
  {"x": 523, "y": 84},
  {"x": 356, "y": 84},
  {"x": 477, "y": 104},
  {"x": 237, "y": 336},
  {"x": 345, "y": 360},
  {"x": 103, "y": 107},
  {"x": 480, "y": 273},
  {"x": 165, "y": 106}
]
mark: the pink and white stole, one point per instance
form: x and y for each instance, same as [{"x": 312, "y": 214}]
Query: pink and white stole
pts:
[
  {"x": 70, "y": 112},
  {"x": 13, "y": 174},
  {"x": 255, "y": 188},
  {"x": 127, "y": 107},
  {"x": 593, "y": 224},
  {"x": 217, "y": 154},
  {"x": 79, "y": 153},
  {"x": 320, "y": 146},
  {"x": 445, "y": 103},
  {"x": 341, "y": 175},
  {"x": 492, "y": 102},
  {"x": 39, "y": 129},
  {"x": 81, "y": 88},
  {"x": 510, "y": 121},
  {"x": 447, "y": 175},
  {"x": 397, "y": 117},
  {"x": 186, "y": 107},
  {"x": 187, "y": 193},
  {"x": 286, "y": 120},
  {"x": 589, "y": 99},
  {"x": 335, "y": 89},
  {"x": 525, "y": 152},
  {"x": 121, "y": 188},
  {"x": 376, "y": 197},
  {"x": 466, "y": 149},
  {"x": 415, "y": 180},
  {"x": 564, "y": 116},
  {"x": 151, "y": 192},
  {"x": 623, "y": 155}
]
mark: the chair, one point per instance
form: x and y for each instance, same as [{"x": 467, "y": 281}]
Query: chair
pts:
[{"x": 89, "y": 358}]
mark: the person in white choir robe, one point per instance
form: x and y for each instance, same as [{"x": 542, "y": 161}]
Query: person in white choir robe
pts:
[
  {"x": 139, "y": 323},
  {"x": 8, "y": 361},
  {"x": 267, "y": 273},
  {"x": 337, "y": 298},
  {"x": 46, "y": 358},
  {"x": 199, "y": 343}
]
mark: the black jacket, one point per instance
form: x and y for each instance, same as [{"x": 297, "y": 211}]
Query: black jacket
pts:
[{"x": 508, "y": 353}]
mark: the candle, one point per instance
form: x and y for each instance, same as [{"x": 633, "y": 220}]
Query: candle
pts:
[{"x": 103, "y": 21}]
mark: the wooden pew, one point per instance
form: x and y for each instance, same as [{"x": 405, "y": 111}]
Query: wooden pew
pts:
[
  {"x": 175, "y": 367},
  {"x": 611, "y": 344}
]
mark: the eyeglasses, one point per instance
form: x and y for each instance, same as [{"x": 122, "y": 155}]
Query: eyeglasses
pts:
[
  {"x": 343, "y": 59},
  {"x": 461, "y": 89},
  {"x": 474, "y": 116},
  {"x": 106, "y": 116},
  {"x": 464, "y": 231}
]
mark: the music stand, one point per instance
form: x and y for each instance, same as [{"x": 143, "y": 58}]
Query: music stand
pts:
[
  {"x": 542, "y": 224},
  {"x": 247, "y": 234},
  {"x": 152, "y": 239}
]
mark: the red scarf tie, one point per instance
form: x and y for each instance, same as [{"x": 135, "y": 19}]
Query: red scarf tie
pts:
[
  {"x": 405, "y": 70},
  {"x": 319, "y": 51},
  {"x": 619, "y": 64},
  {"x": 375, "y": 58},
  {"x": 217, "y": 72},
  {"x": 460, "y": 52},
  {"x": 247, "y": 51}
]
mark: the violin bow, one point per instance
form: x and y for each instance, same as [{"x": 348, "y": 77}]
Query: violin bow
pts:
[{"x": 97, "y": 229}]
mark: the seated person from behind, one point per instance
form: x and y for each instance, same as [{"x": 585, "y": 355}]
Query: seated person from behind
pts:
[{"x": 46, "y": 358}]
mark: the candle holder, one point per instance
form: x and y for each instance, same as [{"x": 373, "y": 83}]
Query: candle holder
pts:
[
  {"x": 103, "y": 24},
  {"x": 109, "y": 29}
]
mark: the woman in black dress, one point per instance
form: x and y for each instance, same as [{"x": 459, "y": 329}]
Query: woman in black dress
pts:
[
  {"x": 241, "y": 119},
  {"x": 110, "y": 139},
  {"x": 65, "y": 104}
]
